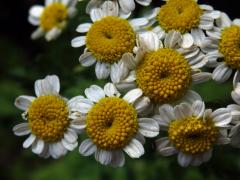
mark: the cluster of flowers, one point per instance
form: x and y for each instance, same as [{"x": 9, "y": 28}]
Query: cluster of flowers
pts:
[{"x": 154, "y": 61}]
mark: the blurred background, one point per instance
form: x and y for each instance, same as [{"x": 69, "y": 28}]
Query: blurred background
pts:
[{"x": 23, "y": 61}]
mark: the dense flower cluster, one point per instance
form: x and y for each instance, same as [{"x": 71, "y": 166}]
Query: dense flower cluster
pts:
[{"x": 153, "y": 63}]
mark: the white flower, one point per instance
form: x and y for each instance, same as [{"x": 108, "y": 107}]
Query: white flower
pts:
[
  {"x": 185, "y": 16},
  {"x": 51, "y": 18},
  {"x": 192, "y": 131},
  {"x": 48, "y": 119},
  {"x": 222, "y": 48},
  {"x": 107, "y": 39},
  {"x": 163, "y": 70},
  {"x": 113, "y": 124},
  {"x": 127, "y": 6}
]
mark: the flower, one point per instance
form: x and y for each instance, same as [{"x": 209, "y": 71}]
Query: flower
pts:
[
  {"x": 235, "y": 112},
  {"x": 222, "y": 48},
  {"x": 51, "y": 18},
  {"x": 107, "y": 39},
  {"x": 185, "y": 16},
  {"x": 127, "y": 6},
  {"x": 192, "y": 131},
  {"x": 114, "y": 124},
  {"x": 48, "y": 119},
  {"x": 163, "y": 71}
]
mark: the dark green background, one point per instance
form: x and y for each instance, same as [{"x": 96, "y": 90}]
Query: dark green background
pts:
[{"x": 23, "y": 61}]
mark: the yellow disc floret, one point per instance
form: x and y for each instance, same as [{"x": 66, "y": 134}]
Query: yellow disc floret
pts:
[
  {"x": 48, "y": 118},
  {"x": 109, "y": 38},
  {"x": 53, "y": 15},
  {"x": 111, "y": 123},
  {"x": 179, "y": 15},
  {"x": 192, "y": 135},
  {"x": 164, "y": 75},
  {"x": 229, "y": 46}
]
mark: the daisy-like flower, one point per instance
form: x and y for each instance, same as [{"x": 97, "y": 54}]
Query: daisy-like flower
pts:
[
  {"x": 48, "y": 120},
  {"x": 107, "y": 39},
  {"x": 235, "y": 112},
  {"x": 113, "y": 124},
  {"x": 185, "y": 16},
  {"x": 127, "y": 6},
  {"x": 192, "y": 131},
  {"x": 51, "y": 18},
  {"x": 163, "y": 71},
  {"x": 222, "y": 48}
]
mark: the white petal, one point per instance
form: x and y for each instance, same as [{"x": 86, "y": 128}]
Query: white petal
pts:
[
  {"x": 221, "y": 73},
  {"x": 38, "y": 146},
  {"x": 87, "y": 59},
  {"x": 168, "y": 151},
  {"x": 57, "y": 150},
  {"x": 236, "y": 79},
  {"x": 29, "y": 141},
  {"x": 166, "y": 113},
  {"x": 198, "y": 36},
  {"x": 70, "y": 136},
  {"x": 224, "y": 21},
  {"x": 144, "y": 2},
  {"x": 198, "y": 61},
  {"x": 186, "y": 41},
  {"x": 110, "y": 90},
  {"x": 140, "y": 138},
  {"x": 69, "y": 146},
  {"x": 236, "y": 22},
  {"x": 134, "y": 149},
  {"x": 79, "y": 123},
  {"x": 48, "y": 85},
  {"x": 53, "y": 34},
  {"x": 23, "y": 102},
  {"x": 118, "y": 159},
  {"x": 190, "y": 97},
  {"x": 198, "y": 108},
  {"x": 82, "y": 28},
  {"x": 84, "y": 105},
  {"x": 215, "y": 32},
  {"x": 94, "y": 93},
  {"x": 201, "y": 77},
  {"x": 102, "y": 70},
  {"x": 206, "y": 7},
  {"x": 36, "y": 11},
  {"x": 78, "y": 41},
  {"x": 116, "y": 72},
  {"x": 39, "y": 32},
  {"x": 73, "y": 103},
  {"x": 222, "y": 140},
  {"x": 206, "y": 23},
  {"x": 221, "y": 117},
  {"x": 137, "y": 22},
  {"x": 148, "y": 127},
  {"x": 184, "y": 159},
  {"x": 104, "y": 157},
  {"x": 96, "y": 14},
  {"x": 87, "y": 148},
  {"x": 127, "y": 5},
  {"x": 133, "y": 95},
  {"x": 129, "y": 60},
  {"x": 183, "y": 110},
  {"x": 109, "y": 8},
  {"x": 21, "y": 129},
  {"x": 171, "y": 39},
  {"x": 141, "y": 104},
  {"x": 149, "y": 41}
]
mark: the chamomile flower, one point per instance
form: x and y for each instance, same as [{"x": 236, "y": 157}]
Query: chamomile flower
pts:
[
  {"x": 107, "y": 39},
  {"x": 185, "y": 16},
  {"x": 235, "y": 112},
  {"x": 127, "y": 6},
  {"x": 192, "y": 131},
  {"x": 51, "y": 18},
  {"x": 48, "y": 120},
  {"x": 222, "y": 48},
  {"x": 163, "y": 71},
  {"x": 114, "y": 124}
]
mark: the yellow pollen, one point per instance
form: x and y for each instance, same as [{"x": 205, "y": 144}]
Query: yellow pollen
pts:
[
  {"x": 179, "y": 15},
  {"x": 48, "y": 118},
  {"x": 111, "y": 123},
  {"x": 229, "y": 46},
  {"x": 53, "y": 15},
  {"x": 192, "y": 135},
  {"x": 164, "y": 75},
  {"x": 109, "y": 38}
]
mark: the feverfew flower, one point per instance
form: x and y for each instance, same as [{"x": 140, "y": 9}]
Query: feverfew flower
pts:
[
  {"x": 114, "y": 124},
  {"x": 48, "y": 120},
  {"x": 51, "y": 18},
  {"x": 192, "y": 131},
  {"x": 107, "y": 39}
]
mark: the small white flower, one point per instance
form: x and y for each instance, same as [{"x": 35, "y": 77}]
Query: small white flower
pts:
[
  {"x": 127, "y": 6},
  {"x": 51, "y": 18},
  {"x": 192, "y": 131},
  {"x": 48, "y": 119},
  {"x": 163, "y": 70},
  {"x": 113, "y": 124},
  {"x": 107, "y": 39}
]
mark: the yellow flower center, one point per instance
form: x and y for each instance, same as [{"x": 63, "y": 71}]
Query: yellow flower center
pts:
[
  {"x": 53, "y": 15},
  {"x": 48, "y": 117},
  {"x": 229, "y": 46},
  {"x": 109, "y": 38},
  {"x": 111, "y": 123},
  {"x": 192, "y": 135},
  {"x": 179, "y": 15},
  {"x": 164, "y": 75}
]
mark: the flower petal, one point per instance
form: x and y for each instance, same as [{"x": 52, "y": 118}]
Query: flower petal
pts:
[
  {"x": 184, "y": 159},
  {"x": 110, "y": 90},
  {"x": 94, "y": 93},
  {"x": 221, "y": 73},
  {"x": 102, "y": 70},
  {"x": 118, "y": 159},
  {"x": 29, "y": 141},
  {"x": 87, "y": 148},
  {"x": 38, "y": 146},
  {"x": 133, "y": 95},
  {"x": 148, "y": 127},
  {"x": 134, "y": 149},
  {"x": 23, "y": 102},
  {"x": 103, "y": 156},
  {"x": 78, "y": 41},
  {"x": 21, "y": 129},
  {"x": 198, "y": 108}
]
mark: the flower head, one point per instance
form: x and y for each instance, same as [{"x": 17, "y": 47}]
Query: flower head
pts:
[
  {"x": 192, "y": 131},
  {"x": 114, "y": 124},
  {"x": 52, "y": 18},
  {"x": 48, "y": 120}
]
